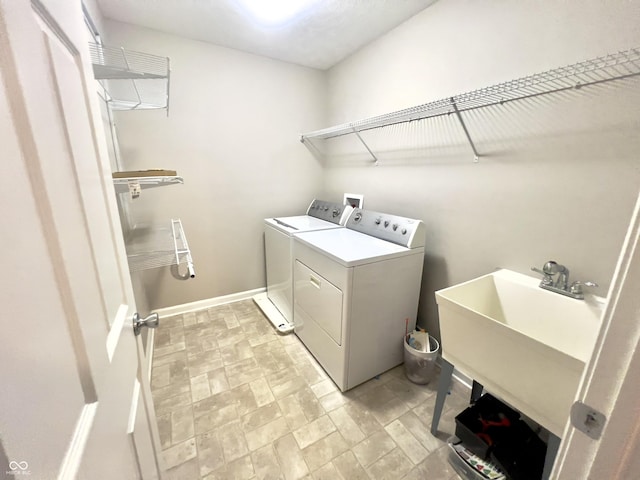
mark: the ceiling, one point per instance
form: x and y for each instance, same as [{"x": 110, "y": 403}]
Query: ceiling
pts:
[{"x": 319, "y": 38}]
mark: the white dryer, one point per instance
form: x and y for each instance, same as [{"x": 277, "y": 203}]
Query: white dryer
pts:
[
  {"x": 277, "y": 302},
  {"x": 355, "y": 288}
]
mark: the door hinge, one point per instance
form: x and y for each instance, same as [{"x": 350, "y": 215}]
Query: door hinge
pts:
[{"x": 587, "y": 419}]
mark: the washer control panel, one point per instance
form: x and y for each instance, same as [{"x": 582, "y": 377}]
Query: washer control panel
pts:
[
  {"x": 403, "y": 231},
  {"x": 330, "y": 211}
]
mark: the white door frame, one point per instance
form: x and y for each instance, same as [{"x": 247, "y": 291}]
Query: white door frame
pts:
[{"x": 611, "y": 381}]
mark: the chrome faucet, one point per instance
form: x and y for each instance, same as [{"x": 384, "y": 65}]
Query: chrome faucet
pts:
[{"x": 561, "y": 283}]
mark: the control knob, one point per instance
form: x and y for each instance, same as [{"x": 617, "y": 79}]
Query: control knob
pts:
[
  {"x": 378, "y": 220},
  {"x": 336, "y": 212},
  {"x": 357, "y": 217},
  {"x": 404, "y": 231},
  {"x": 395, "y": 227},
  {"x": 386, "y": 223}
]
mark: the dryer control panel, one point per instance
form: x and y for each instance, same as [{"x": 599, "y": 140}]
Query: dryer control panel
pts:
[
  {"x": 403, "y": 231},
  {"x": 330, "y": 211}
]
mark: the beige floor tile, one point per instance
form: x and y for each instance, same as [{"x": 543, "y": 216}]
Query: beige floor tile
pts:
[
  {"x": 182, "y": 427},
  {"x": 179, "y": 453},
  {"x": 230, "y": 336},
  {"x": 374, "y": 447},
  {"x": 435, "y": 465},
  {"x": 406, "y": 441},
  {"x": 261, "y": 392},
  {"x": 164, "y": 429},
  {"x": 288, "y": 386},
  {"x": 238, "y": 351},
  {"x": 323, "y": 388},
  {"x": 239, "y": 400},
  {"x": 172, "y": 321},
  {"x": 200, "y": 388},
  {"x": 390, "y": 411},
  {"x": 210, "y": 453},
  {"x": 202, "y": 316},
  {"x": 324, "y": 450},
  {"x": 349, "y": 467},
  {"x": 314, "y": 431},
  {"x": 265, "y": 463},
  {"x": 160, "y": 377},
  {"x": 169, "y": 348},
  {"x": 204, "y": 362},
  {"x": 292, "y": 411},
  {"x": 167, "y": 405},
  {"x": 170, "y": 358},
  {"x": 233, "y": 443},
  {"x": 260, "y": 417},
  {"x": 242, "y": 397},
  {"x": 326, "y": 472},
  {"x": 218, "y": 382},
  {"x": 309, "y": 403},
  {"x": 238, "y": 470},
  {"x": 421, "y": 431},
  {"x": 267, "y": 433},
  {"x": 363, "y": 418},
  {"x": 214, "y": 418},
  {"x": 333, "y": 400},
  {"x": 186, "y": 470},
  {"x": 243, "y": 371},
  {"x": 290, "y": 457},
  {"x": 189, "y": 319},
  {"x": 346, "y": 426},
  {"x": 408, "y": 392},
  {"x": 393, "y": 465}
]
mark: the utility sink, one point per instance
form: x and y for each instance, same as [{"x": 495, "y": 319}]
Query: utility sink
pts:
[{"x": 526, "y": 345}]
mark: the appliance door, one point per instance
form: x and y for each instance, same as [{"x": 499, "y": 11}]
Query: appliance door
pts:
[
  {"x": 321, "y": 301},
  {"x": 279, "y": 270},
  {"x": 319, "y": 307}
]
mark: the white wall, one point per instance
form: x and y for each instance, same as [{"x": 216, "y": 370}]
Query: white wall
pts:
[
  {"x": 232, "y": 133},
  {"x": 559, "y": 176}
]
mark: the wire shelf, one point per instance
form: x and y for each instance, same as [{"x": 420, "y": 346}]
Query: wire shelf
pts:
[
  {"x": 122, "y": 185},
  {"x": 131, "y": 80},
  {"x": 616, "y": 66},
  {"x": 158, "y": 246}
]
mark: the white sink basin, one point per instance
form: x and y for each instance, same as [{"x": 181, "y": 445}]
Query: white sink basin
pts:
[{"x": 524, "y": 344}]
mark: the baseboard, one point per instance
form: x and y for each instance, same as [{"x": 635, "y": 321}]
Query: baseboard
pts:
[
  {"x": 208, "y": 303},
  {"x": 462, "y": 378}
]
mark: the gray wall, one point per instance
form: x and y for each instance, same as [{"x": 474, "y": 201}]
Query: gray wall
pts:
[
  {"x": 559, "y": 176},
  {"x": 232, "y": 134}
]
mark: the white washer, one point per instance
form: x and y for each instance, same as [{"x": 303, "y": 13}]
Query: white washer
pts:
[
  {"x": 355, "y": 289},
  {"x": 277, "y": 302}
]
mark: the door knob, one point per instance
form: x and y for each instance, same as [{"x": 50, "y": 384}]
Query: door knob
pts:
[{"x": 151, "y": 321}]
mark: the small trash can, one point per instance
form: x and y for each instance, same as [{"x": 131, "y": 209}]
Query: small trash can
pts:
[{"x": 420, "y": 362}]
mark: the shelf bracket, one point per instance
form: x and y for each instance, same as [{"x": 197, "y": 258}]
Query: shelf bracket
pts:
[
  {"x": 476, "y": 156},
  {"x": 375, "y": 159}
]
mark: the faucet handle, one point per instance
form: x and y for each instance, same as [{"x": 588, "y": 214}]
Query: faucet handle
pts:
[
  {"x": 546, "y": 279},
  {"x": 576, "y": 287}
]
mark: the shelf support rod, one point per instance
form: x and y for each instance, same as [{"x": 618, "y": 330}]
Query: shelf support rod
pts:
[
  {"x": 466, "y": 132},
  {"x": 375, "y": 159}
]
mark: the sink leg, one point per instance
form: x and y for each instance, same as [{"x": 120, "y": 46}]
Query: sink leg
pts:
[
  {"x": 444, "y": 382},
  {"x": 552, "y": 450},
  {"x": 476, "y": 391}
]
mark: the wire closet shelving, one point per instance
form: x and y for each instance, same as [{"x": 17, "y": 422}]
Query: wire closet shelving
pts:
[
  {"x": 616, "y": 66},
  {"x": 159, "y": 246},
  {"x": 131, "y": 80}
]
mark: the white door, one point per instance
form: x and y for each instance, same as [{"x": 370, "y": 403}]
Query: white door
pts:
[
  {"x": 71, "y": 369},
  {"x": 611, "y": 382}
]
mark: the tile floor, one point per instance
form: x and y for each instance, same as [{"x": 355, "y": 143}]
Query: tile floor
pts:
[{"x": 234, "y": 399}]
